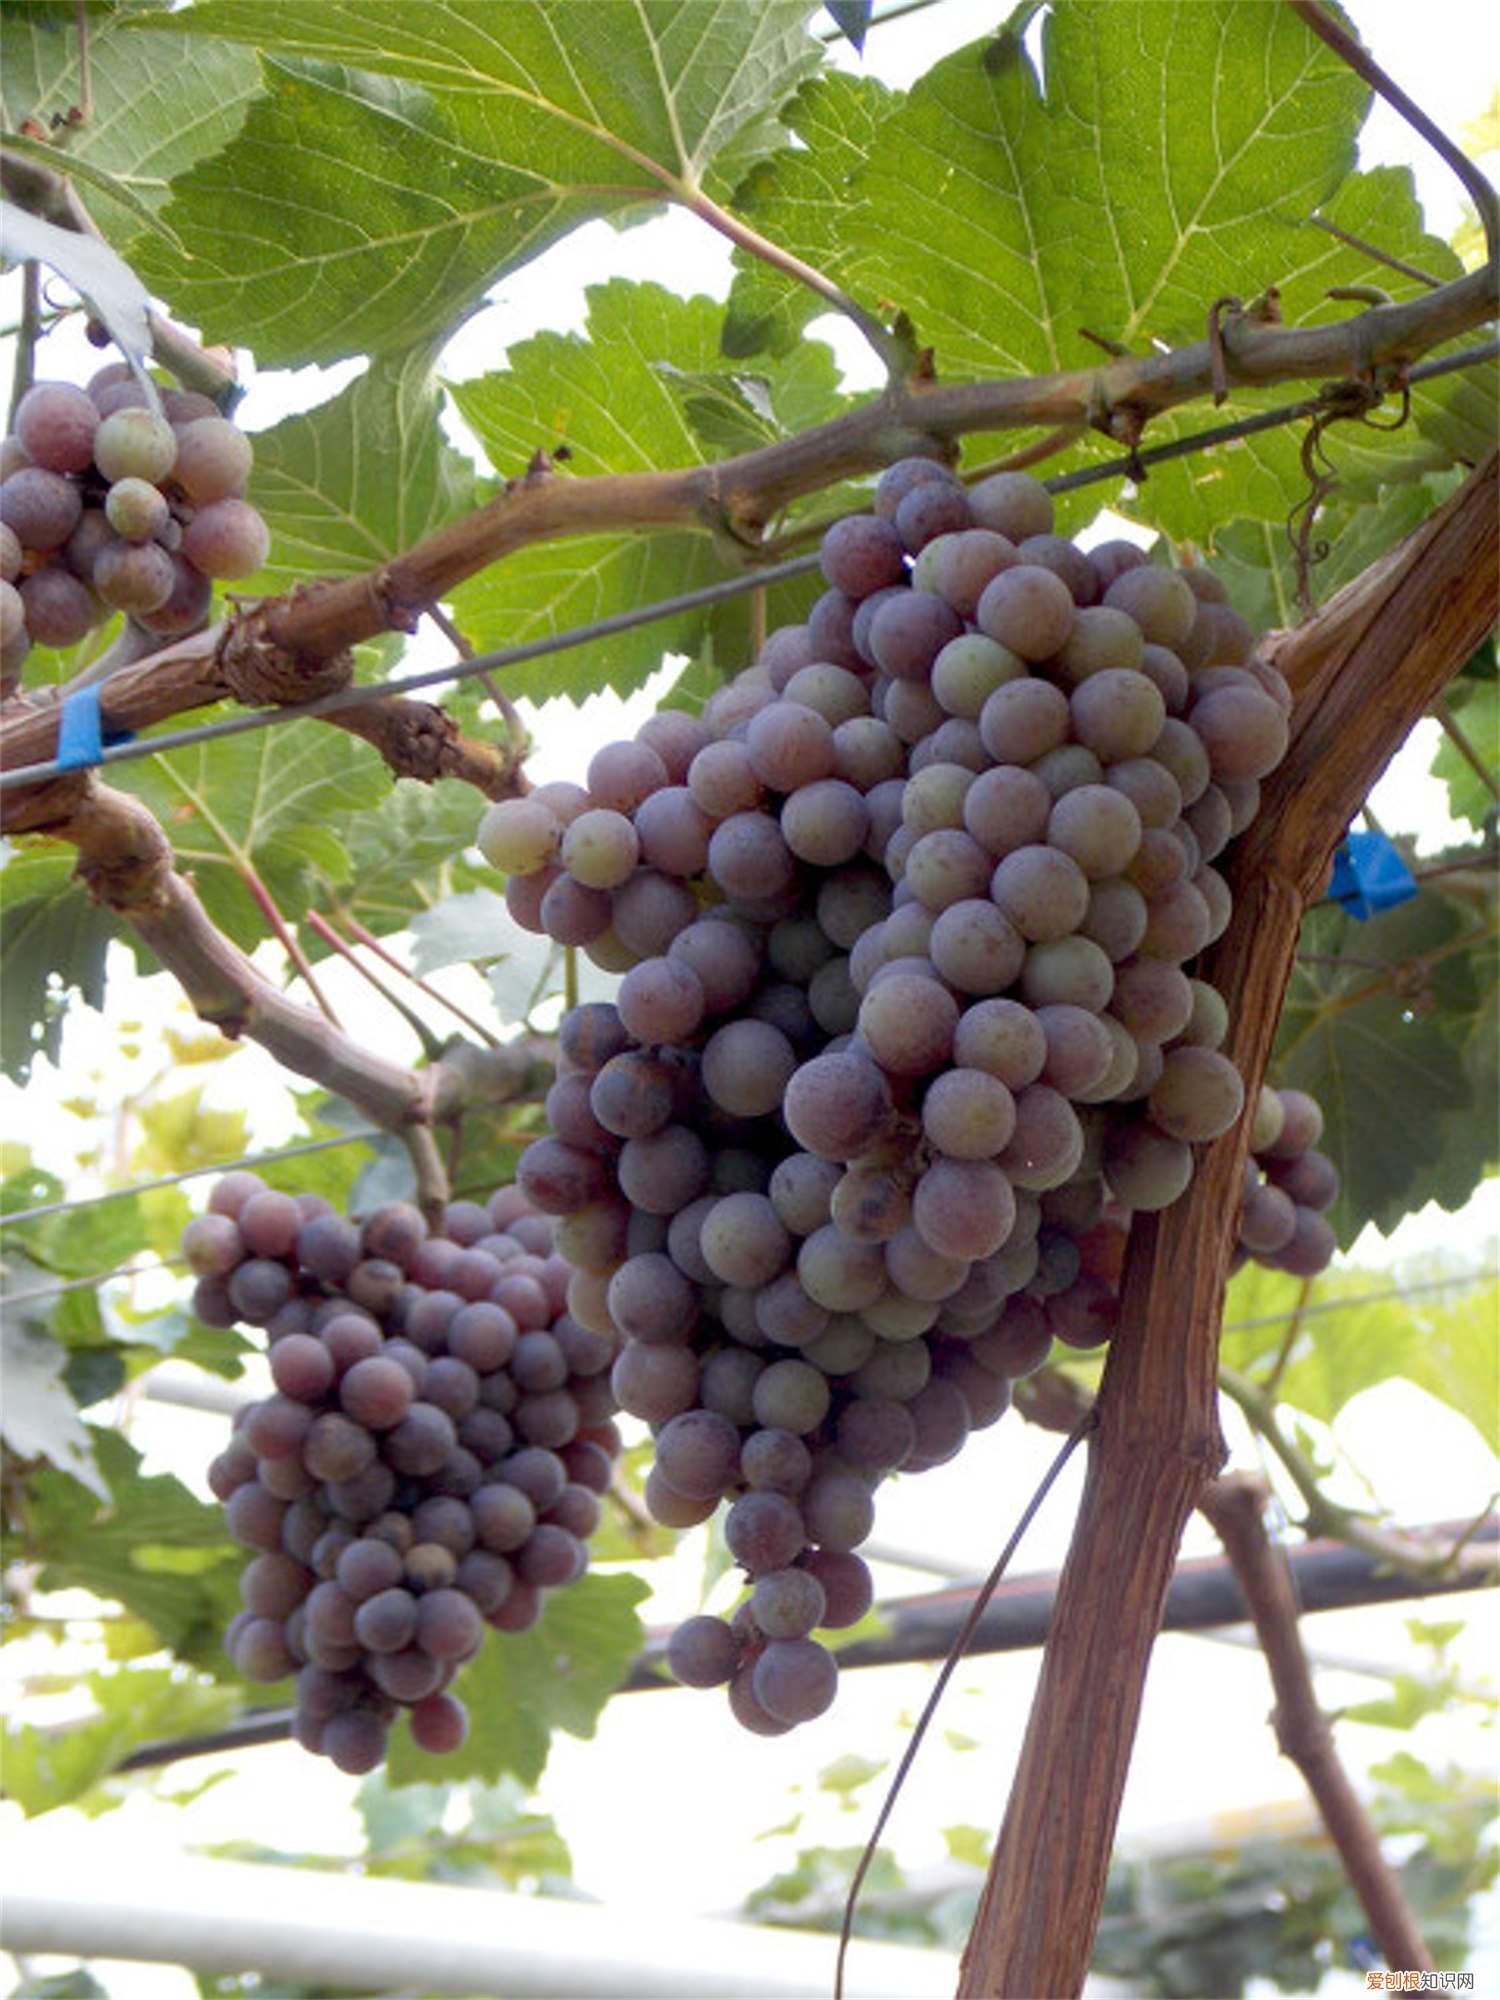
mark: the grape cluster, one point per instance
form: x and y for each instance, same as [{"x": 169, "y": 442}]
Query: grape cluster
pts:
[
  {"x": 905, "y": 1032},
  {"x": 107, "y": 505},
  {"x": 1288, "y": 1185},
  {"x": 432, "y": 1459}
]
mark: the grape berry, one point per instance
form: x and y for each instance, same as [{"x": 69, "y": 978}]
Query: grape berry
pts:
[{"x": 106, "y": 506}]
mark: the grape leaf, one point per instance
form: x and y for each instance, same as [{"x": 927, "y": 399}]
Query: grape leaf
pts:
[
  {"x": 264, "y": 803},
  {"x": 402, "y": 161},
  {"x": 46, "y": 1768},
  {"x": 1258, "y": 564},
  {"x": 617, "y": 401},
  {"x": 38, "y": 1418},
  {"x": 468, "y": 929},
  {"x": 524, "y": 1685},
  {"x": 405, "y": 853},
  {"x": 98, "y": 274},
  {"x": 160, "y": 100},
  {"x": 1360, "y": 1335},
  {"x": 1476, "y": 710},
  {"x": 56, "y": 941},
  {"x": 358, "y": 480},
  {"x": 1003, "y": 217},
  {"x": 113, "y": 1553},
  {"x": 800, "y": 199}
]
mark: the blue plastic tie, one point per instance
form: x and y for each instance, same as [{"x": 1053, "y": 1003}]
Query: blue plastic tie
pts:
[
  {"x": 80, "y": 731},
  {"x": 1369, "y": 876}
]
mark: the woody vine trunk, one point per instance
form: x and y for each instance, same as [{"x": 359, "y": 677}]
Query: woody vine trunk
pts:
[{"x": 1363, "y": 672}]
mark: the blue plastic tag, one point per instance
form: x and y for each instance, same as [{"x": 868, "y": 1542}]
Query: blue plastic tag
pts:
[
  {"x": 1369, "y": 876},
  {"x": 80, "y": 731}
]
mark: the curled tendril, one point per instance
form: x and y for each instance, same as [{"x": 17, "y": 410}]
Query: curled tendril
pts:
[{"x": 1338, "y": 402}]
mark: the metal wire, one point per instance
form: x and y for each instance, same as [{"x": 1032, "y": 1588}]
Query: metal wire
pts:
[
  {"x": 458, "y": 670},
  {"x": 187, "y": 1174},
  {"x": 1128, "y": 467},
  {"x": 1462, "y": 1281}
]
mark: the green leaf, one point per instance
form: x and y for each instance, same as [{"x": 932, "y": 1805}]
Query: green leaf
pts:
[
  {"x": 800, "y": 199},
  {"x": 622, "y": 400},
  {"x": 161, "y": 100},
  {"x": 110, "y": 1553},
  {"x": 123, "y": 305},
  {"x": 849, "y": 1774},
  {"x": 1257, "y": 561},
  {"x": 467, "y": 929},
  {"x": 1475, "y": 707},
  {"x": 180, "y": 1131},
  {"x": 38, "y": 1418},
  {"x": 969, "y": 1844},
  {"x": 91, "y": 1238},
  {"x": 78, "y": 1985},
  {"x": 1124, "y": 198},
  {"x": 401, "y": 162},
  {"x": 1360, "y": 1336},
  {"x": 358, "y": 480},
  {"x": 46, "y": 1768},
  {"x": 405, "y": 852},
  {"x": 524, "y": 1685},
  {"x": 1381, "y": 1024},
  {"x": 56, "y": 941},
  {"x": 265, "y": 802}
]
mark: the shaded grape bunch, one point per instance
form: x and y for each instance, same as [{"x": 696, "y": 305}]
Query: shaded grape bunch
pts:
[
  {"x": 106, "y": 505},
  {"x": 908, "y": 1026},
  {"x": 431, "y": 1461},
  {"x": 1288, "y": 1185}
]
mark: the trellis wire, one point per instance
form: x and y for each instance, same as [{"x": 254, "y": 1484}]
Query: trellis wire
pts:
[
  {"x": 188, "y": 1174},
  {"x": 127, "y": 1270},
  {"x": 1127, "y": 467}
]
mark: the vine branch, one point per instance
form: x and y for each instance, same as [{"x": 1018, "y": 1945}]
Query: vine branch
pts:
[
  {"x": 1235, "y": 1505},
  {"x": 126, "y": 863},
  {"x": 735, "y": 499},
  {"x": 1406, "y": 1553}
]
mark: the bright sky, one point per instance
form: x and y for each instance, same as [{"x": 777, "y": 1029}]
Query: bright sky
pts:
[{"x": 645, "y": 1772}]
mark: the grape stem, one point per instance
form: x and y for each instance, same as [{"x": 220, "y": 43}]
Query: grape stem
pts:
[
  {"x": 372, "y": 944},
  {"x": 84, "y": 109},
  {"x": 1373, "y": 251},
  {"x": 290, "y": 943},
  {"x": 432, "y": 1048},
  {"x": 30, "y": 330},
  {"x": 889, "y": 349},
  {"x": 432, "y": 1189},
  {"x": 1294, "y": 1321},
  {"x": 321, "y": 619},
  {"x": 1409, "y": 1554}
]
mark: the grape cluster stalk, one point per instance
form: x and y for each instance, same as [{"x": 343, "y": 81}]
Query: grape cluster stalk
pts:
[
  {"x": 908, "y": 1026},
  {"x": 431, "y": 1461},
  {"x": 107, "y": 505}
]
